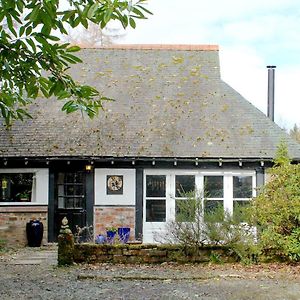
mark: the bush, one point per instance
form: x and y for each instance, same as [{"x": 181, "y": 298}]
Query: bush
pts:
[
  {"x": 277, "y": 209},
  {"x": 193, "y": 228}
]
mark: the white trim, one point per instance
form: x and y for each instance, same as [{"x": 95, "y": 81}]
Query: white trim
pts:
[{"x": 41, "y": 192}]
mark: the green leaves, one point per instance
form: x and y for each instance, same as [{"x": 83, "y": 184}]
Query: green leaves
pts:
[{"x": 30, "y": 46}]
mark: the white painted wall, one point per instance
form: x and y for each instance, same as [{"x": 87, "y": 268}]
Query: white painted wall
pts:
[
  {"x": 128, "y": 196},
  {"x": 40, "y": 193}
]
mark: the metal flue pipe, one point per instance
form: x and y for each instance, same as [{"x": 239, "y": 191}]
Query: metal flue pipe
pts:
[{"x": 271, "y": 79}]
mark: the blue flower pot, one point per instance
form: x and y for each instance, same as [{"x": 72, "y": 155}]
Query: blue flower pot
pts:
[
  {"x": 124, "y": 233},
  {"x": 110, "y": 236}
]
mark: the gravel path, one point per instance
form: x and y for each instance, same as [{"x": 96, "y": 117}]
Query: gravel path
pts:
[{"x": 32, "y": 274}]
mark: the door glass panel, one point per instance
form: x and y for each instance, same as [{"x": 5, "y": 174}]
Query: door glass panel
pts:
[
  {"x": 213, "y": 210},
  {"x": 184, "y": 184},
  {"x": 239, "y": 212},
  {"x": 71, "y": 192},
  {"x": 185, "y": 210},
  {"x": 156, "y": 186},
  {"x": 242, "y": 186},
  {"x": 213, "y": 186},
  {"x": 155, "y": 210}
]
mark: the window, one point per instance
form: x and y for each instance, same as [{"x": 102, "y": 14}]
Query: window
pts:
[
  {"x": 155, "y": 198},
  {"x": 185, "y": 204},
  {"x": 16, "y": 187},
  {"x": 242, "y": 192}
]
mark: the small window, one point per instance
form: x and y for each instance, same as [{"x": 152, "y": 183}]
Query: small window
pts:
[
  {"x": 155, "y": 210},
  {"x": 16, "y": 187},
  {"x": 184, "y": 184},
  {"x": 156, "y": 186}
]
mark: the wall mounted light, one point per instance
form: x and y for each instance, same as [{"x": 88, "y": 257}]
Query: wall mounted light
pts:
[
  {"x": 262, "y": 163},
  {"x": 88, "y": 168},
  {"x": 196, "y": 162}
]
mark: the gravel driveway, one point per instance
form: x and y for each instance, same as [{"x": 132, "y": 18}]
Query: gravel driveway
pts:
[{"x": 32, "y": 274}]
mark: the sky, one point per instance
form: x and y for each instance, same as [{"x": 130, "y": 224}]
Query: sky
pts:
[{"x": 250, "y": 34}]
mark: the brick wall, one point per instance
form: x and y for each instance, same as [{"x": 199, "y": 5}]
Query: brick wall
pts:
[
  {"x": 117, "y": 216},
  {"x": 13, "y": 223}
]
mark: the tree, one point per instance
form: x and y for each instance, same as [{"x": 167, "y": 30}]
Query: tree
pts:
[
  {"x": 92, "y": 36},
  {"x": 32, "y": 49},
  {"x": 295, "y": 133}
]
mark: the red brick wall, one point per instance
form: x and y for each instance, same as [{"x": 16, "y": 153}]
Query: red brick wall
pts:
[
  {"x": 117, "y": 216},
  {"x": 13, "y": 223}
]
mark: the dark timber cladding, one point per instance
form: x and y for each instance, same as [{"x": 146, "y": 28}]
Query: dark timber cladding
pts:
[{"x": 170, "y": 102}]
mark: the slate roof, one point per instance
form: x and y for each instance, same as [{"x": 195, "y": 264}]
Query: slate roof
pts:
[{"x": 169, "y": 102}]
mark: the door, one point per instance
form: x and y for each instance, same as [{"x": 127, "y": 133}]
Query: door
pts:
[
  {"x": 163, "y": 196},
  {"x": 70, "y": 200}
]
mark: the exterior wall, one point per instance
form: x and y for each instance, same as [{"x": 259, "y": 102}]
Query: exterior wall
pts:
[
  {"x": 117, "y": 216},
  {"x": 13, "y": 223},
  {"x": 114, "y": 210},
  {"x": 128, "y": 195}
]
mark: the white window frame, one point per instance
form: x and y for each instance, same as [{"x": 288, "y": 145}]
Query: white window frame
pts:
[
  {"x": 40, "y": 195},
  {"x": 199, "y": 183}
]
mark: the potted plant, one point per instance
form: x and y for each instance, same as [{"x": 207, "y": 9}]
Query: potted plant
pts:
[
  {"x": 111, "y": 233},
  {"x": 24, "y": 196}
]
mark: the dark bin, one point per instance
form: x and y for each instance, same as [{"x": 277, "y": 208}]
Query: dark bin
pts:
[{"x": 34, "y": 231}]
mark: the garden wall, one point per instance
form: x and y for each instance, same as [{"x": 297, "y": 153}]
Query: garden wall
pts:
[{"x": 146, "y": 253}]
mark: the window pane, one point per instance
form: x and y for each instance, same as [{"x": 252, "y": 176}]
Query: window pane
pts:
[
  {"x": 213, "y": 186},
  {"x": 16, "y": 187},
  {"x": 184, "y": 184},
  {"x": 213, "y": 210},
  {"x": 239, "y": 212},
  {"x": 242, "y": 186},
  {"x": 155, "y": 210},
  {"x": 185, "y": 210},
  {"x": 156, "y": 186}
]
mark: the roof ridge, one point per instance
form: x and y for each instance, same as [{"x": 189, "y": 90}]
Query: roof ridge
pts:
[{"x": 188, "y": 47}]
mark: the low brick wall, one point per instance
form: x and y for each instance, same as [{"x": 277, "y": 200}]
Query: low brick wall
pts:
[
  {"x": 13, "y": 223},
  {"x": 145, "y": 253}
]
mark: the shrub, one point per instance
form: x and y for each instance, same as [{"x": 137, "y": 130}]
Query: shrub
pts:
[
  {"x": 277, "y": 209},
  {"x": 193, "y": 228}
]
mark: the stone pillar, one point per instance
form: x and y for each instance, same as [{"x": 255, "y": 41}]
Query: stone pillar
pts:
[{"x": 65, "y": 244}]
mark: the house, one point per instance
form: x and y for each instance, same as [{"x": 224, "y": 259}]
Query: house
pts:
[{"x": 174, "y": 125}]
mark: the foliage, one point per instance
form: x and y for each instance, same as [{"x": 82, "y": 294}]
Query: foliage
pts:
[
  {"x": 277, "y": 209},
  {"x": 84, "y": 234},
  {"x": 33, "y": 62},
  {"x": 193, "y": 228},
  {"x": 2, "y": 245}
]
